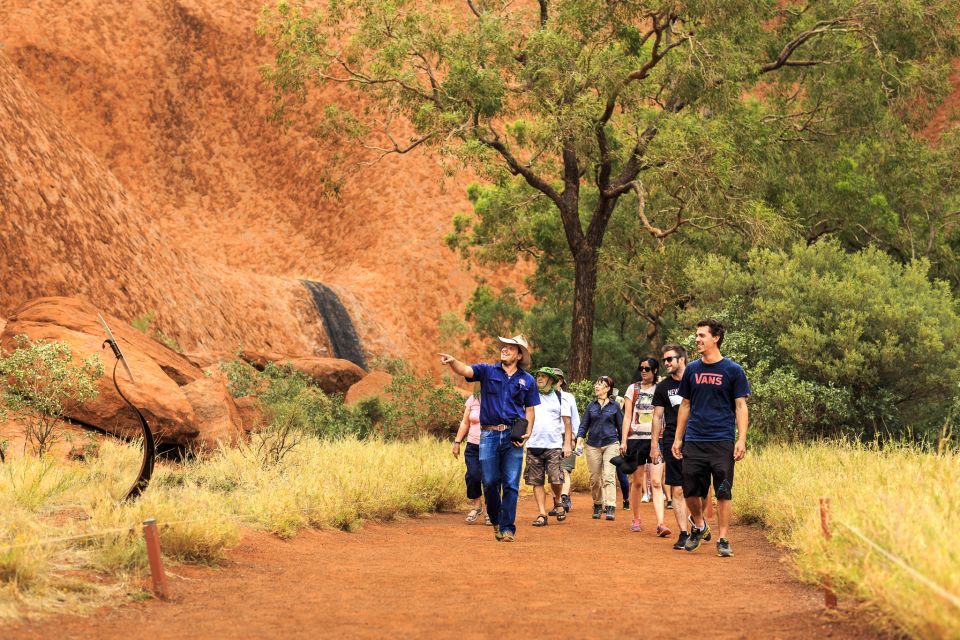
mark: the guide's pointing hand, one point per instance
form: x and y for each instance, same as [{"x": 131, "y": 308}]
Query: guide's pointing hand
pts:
[{"x": 446, "y": 358}]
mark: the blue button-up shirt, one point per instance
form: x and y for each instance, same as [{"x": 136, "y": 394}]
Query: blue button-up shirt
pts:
[
  {"x": 601, "y": 425},
  {"x": 504, "y": 398}
]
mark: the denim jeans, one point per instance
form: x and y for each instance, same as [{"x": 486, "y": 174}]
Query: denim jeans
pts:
[
  {"x": 501, "y": 463},
  {"x": 474, "y": 475}
]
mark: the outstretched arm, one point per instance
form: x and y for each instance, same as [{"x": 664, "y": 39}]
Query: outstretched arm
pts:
[{"x": 458, "y": 367}]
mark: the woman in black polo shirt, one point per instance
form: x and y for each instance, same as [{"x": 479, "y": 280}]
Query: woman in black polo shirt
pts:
[{"x": 600, "y": 428}]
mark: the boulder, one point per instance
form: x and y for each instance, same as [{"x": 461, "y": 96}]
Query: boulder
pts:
[
  {"x": 216, "y": 415},
  {"x": 333, "y": 375},
  {"x": 160, "y": 376},
  {"x": 373, "y": 385},
  {"x": 251, "y": 413}
]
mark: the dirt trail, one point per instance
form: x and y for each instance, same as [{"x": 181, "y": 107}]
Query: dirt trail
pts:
[{"x": 438, "y": 577}]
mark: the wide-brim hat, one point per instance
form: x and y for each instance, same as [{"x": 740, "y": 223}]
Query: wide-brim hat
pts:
[
  {"x": 559, "y": 372},
  {"x": 520, "y": 341},
  {"x": 626, "y": 464},
  {"x": 547, "y": 371}
]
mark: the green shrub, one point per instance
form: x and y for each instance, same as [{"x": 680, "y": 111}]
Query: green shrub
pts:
[
  {"x": 419, "y": 406},
  {"x": 40, "y": 382},
  {"x": 835, "y": 342}
]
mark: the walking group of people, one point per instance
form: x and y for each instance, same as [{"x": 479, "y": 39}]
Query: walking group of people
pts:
[{"x": 686, "y": 430}]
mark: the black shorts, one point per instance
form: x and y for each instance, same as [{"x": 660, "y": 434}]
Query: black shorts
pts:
[
  {"x": 674, "y": 473},
  {"x": 639, "y": 449},
  {"x": 701, "y": 460}
]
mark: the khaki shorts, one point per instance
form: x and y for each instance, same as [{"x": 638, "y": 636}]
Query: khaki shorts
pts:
[{"x": 543, "y": 464}]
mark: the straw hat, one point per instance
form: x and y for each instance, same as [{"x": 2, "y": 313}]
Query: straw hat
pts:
[{"x": 520, "y": 341}]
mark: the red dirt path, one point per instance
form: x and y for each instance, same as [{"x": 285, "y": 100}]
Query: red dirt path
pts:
[{"x": 438, "y": 577}]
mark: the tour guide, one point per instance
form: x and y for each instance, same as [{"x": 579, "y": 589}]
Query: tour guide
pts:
[{"x": 507, "y": 393}]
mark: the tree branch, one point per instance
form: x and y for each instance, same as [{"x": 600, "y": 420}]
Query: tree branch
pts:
[{"x": 819, "y": 29}]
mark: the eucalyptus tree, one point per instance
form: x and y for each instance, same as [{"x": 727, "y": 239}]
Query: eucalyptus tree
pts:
[{"x": 577, "y": 106}]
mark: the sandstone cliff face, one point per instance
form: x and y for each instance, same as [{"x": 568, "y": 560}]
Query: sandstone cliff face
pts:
[{"x": 138, "y": 169}]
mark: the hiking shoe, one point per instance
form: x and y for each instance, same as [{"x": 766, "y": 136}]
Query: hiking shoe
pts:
[
  {"x": 565, "y": 501},
  {"x": 626, "y": 504},
  {"x": 497, "y": 534},
  {"x": 611, "y": 512},
  {"x": 597, "y": 509},
  {"x": 635, "y": 527},
  {"x": 507, "y": 537},
  {"x": 669, "y": 504},
  {"x": 723, "y": 548},
  {"x": 706, "y": 527},
  {"x": 663, "y": 531},
  {"x": 693, "y": 540},
  {"x": 681, "y": 540}
]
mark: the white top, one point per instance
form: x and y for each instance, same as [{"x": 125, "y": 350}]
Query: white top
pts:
[
  {"x": 574, "y": 412},
  {"x": 548, "y": 422},
  {"x": 641, "y": 423}
]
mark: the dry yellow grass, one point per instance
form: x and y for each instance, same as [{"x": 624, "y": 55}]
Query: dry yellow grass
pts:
[
  {"x": 204, "y": 502},
  {"x": 904, "y": 500}
]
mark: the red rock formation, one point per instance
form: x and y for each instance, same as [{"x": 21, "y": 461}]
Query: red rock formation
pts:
[{"x": 150, "y": 120}]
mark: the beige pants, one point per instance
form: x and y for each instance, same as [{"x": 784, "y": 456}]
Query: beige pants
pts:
[{"x": 603, "y": 475}]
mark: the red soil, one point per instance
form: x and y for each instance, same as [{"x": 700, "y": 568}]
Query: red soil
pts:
[{"x": 438, "y": 577}]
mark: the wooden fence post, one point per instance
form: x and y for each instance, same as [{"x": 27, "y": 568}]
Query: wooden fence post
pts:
[
  {"x": 152, "y": 538},
  {"x": 829, "y": 597}
]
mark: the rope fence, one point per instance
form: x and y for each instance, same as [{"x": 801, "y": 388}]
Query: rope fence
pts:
[{"x": 830, "y": 598}]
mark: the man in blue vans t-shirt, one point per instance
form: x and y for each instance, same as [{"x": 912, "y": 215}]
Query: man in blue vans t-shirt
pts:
[{"x": 711, "y": 432}]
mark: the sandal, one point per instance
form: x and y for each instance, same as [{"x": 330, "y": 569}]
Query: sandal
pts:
[
  {"x": 473, "y": 515},
  {"x": 541, "y": 521},
  {"x": 559, "y": 511}
]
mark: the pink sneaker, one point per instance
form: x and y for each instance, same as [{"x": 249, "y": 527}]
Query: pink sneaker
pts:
[
  {"x": 663, "y": 530},
  {"x": 635, "y": 527}
]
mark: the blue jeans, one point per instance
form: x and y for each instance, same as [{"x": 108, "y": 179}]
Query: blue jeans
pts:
[
  {"x": 474, "y": 475},
  {"x": 501, "y": 463}
]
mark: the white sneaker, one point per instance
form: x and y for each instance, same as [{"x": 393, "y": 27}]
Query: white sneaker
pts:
[{"x": 646, "y": 498}]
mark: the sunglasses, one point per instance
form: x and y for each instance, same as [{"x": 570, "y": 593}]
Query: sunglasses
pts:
[
  {"x": 645, "y": 369},
  {"x": 670, "y": 359}
]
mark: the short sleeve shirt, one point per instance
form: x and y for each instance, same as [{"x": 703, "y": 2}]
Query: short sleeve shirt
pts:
[
  {"x": 504, "y": 398},
  {"x": 548, "y": 423},
  {"x": 641, "y": 424},
  {"x": 712, "y": 390},
  {"x": 667, "y": 396},
  {"x": 474, "y": 405},
  {"x": 574, "y": 410}
]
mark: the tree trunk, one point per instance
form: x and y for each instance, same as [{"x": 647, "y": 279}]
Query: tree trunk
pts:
[{"x": 581, "y": 333}]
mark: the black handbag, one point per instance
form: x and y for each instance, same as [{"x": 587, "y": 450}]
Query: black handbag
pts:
[{"x": 518, "y": 430}]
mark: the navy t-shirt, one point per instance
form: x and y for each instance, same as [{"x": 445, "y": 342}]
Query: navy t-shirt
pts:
[
  {"x": 503, "y": 398},
  {"x": 712, "y": 390}
]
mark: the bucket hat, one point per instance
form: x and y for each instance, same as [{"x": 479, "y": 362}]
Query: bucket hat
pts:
[
  {"x": 520, "y": 341},
  {"x": 548, "y": 371}
]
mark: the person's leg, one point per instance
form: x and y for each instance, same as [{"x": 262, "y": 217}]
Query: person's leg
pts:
[
  {"x": 656, "y": 475},
  {"x": 624, "y": 481},
  {"x": 474, "y": 475},
  {"x": 533, "y": 477},
  {"x": 696, "y": 479},
  {"x": 490, "y": 471},
  {"x": 609, "y": 473},
  {"x": 555, "y": 474},
  {"x": 722, "y": 470},
  {"x": 637, "y": 487},
  {"x": 511, "y": 464},
  {"x": 595, "y": 465},
  {"x": 540, "y": 494},
  {"x": 708, "y": 504}
]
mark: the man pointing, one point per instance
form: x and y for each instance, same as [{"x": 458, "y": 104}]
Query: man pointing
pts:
[{"x": 508, "y": 394}]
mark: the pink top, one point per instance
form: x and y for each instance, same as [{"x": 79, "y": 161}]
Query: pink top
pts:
[{"x": 474, "y": 405}]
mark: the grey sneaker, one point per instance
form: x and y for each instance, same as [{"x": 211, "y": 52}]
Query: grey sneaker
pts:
[
  {"x": 723, "y": 548},
  {"x": 706, "y": 528},
  {"x": 681, "y": 540},
  {"x": 597, "y": 510},
  {"x": 611, "y": 513},
  {"x": 565, "y": 501},
  {"x": 693, "y": 540}
]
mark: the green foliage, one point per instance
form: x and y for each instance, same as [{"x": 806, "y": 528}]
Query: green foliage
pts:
[
  {"x": 836, "y": 341},
  {"x": 294, "y": 406},
  {"x": 40, "y": 383}
]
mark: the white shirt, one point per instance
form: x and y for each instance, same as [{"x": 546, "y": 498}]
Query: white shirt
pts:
[
  {"x": 574, "y": 412},
  {"x": 548, "y": 422}
]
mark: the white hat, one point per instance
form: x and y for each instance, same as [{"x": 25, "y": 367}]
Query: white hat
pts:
[{"x": 520, "y": 341}]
